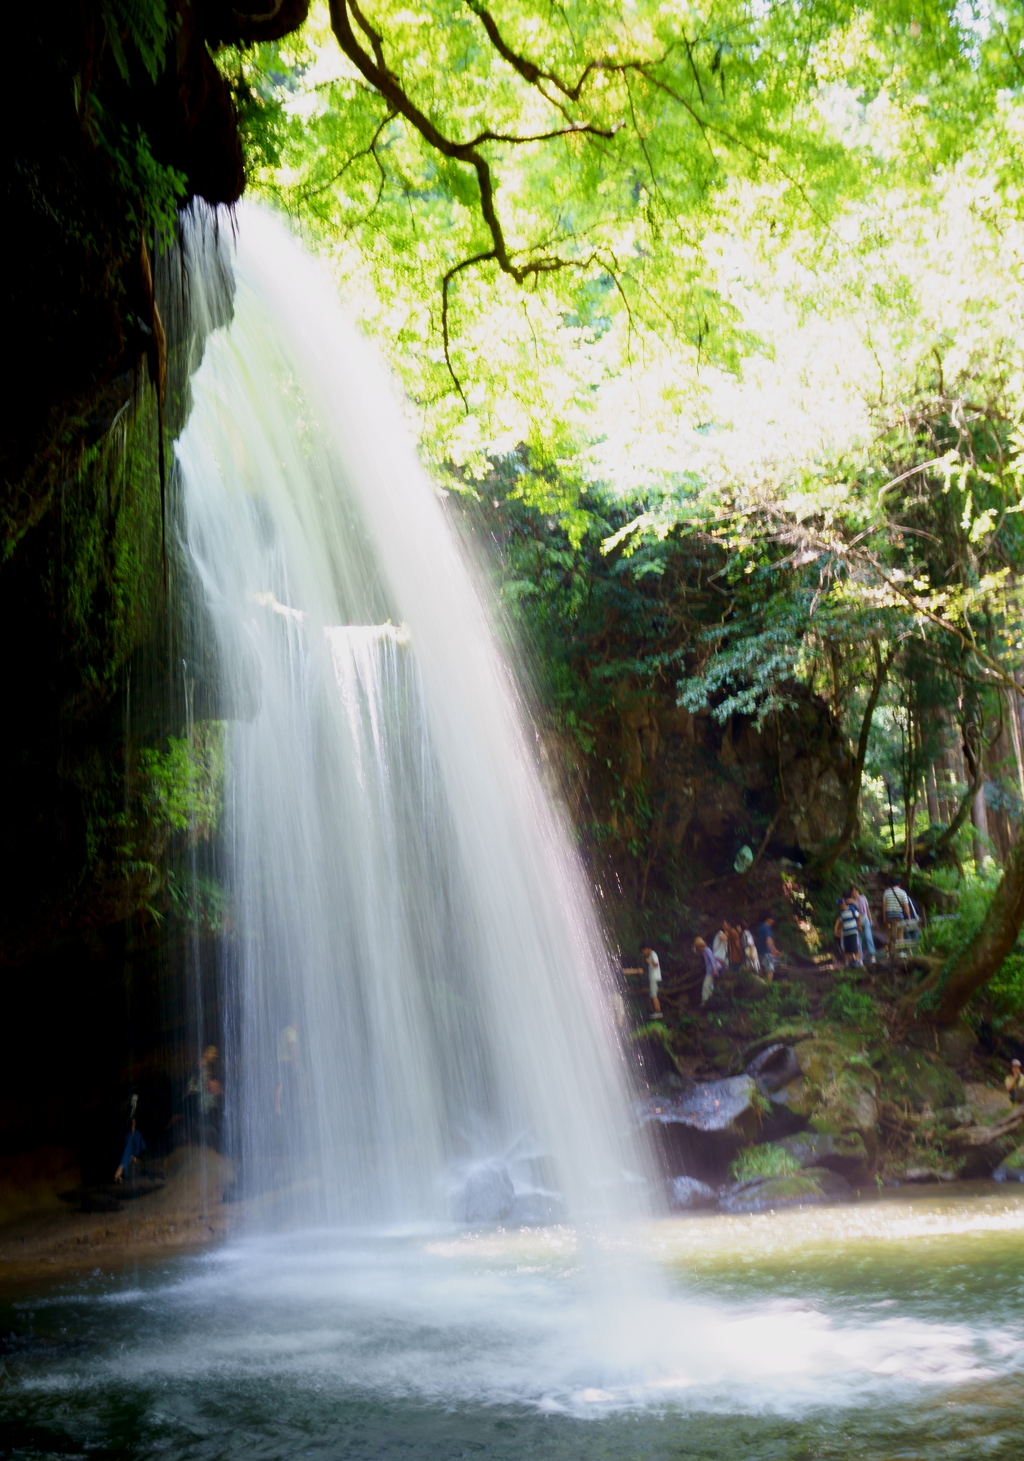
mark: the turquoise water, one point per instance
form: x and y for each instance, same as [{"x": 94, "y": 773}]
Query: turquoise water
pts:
[{"x": 893, "y": 1329}]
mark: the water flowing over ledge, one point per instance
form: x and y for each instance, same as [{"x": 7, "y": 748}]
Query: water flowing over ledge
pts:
[{"x": 419, "y": 1015}]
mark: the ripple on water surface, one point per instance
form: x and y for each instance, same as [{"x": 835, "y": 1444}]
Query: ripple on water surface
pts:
[{"x": 892, "y": 1329}]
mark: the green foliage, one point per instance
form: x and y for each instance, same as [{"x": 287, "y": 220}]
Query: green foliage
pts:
[
  {"x": 718, "y": 308},
  {"x": 952, "y": 933},
  {"x": 1003, "y": 997},
  {"x": 137, "y": 28},
  {"x": 183, "y": 785},
  {"x": 153, "y": 192},
  {"x": 778, "y": 1004},
  {"x": 107, "y": 579},
  {"x": 199, "y": 899},
  {"x": 138, "y": 33},
  {"x": 767, "y": 1160},
  {"x": 648, "y": 165},
  {"x": 848, "y": 1005}
]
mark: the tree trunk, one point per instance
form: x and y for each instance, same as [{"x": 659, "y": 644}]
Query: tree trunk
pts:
[
  {"x": 959, "y": 818},
  {"x": 846, "y": 836},
  {"x": 1013, "y": 716},
  {"x": 1000, "y": 761},
  {"x": 979, "y": 821},
  {"x": 976, "y": 964},
  {"x": 932, "y": 792}
]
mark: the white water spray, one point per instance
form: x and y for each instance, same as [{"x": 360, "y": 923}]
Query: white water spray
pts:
[{"x": 421, "y": 1001}]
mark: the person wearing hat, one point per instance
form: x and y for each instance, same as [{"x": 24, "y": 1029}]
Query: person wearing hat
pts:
[{"x": 1014, "y": 1083}]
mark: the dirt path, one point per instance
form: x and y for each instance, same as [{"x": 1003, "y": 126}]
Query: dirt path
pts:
[{"x": 54, "y": 1240}]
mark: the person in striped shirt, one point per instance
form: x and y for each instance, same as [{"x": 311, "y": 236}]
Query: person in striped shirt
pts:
[{"x": 847, "y": 928}]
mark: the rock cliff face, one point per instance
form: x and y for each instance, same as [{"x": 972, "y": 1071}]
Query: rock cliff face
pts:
[
  {"x": 110, "y": 752},
  {"x": 117, "y": 117},
  {"x": 117, "y": 114},
  {"x": 681, "y": 793}
]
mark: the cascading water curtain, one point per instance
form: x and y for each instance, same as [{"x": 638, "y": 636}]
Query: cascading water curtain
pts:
[{"x": 420, "y": 1017}]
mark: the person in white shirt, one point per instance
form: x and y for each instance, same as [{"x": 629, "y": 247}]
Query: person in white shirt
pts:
[
  {"x": 750, "y": 957},
  {"x": 897, "y": 910},
  {"x": 895, "y": 903},
  {"x": 720, "y": 947},
  {"x": 653, "y": 978}
]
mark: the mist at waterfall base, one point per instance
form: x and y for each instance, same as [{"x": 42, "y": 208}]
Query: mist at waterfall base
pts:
[
  {"x": 890, "y": 1329},
  {"x": 445, "y": 1241}
]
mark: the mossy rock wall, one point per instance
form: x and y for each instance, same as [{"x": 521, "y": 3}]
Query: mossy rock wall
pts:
[{"x": 115, "y": 759}]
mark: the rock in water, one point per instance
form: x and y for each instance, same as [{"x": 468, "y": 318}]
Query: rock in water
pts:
[
  {"x": 702, "y": 1129},
  {"x": 537, "y": 1207},
  {"x": 1012, "y": 1169},
  {"x": 686, "y": 1193},
  {"x": 762, "y": 1194},
  {"x": 843, "y": 1152},
  {"x": 707, "y": 1106},
  {"x": 486, "y": 1196},
  {"x": 979, "y": 1162}
]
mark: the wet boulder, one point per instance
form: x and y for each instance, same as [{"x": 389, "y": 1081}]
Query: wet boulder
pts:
[
  {"x": 776, "y": 1070},
  {"x": 537, "y": 1207},
  {"x": 774, "y": 1067},
  {"x": 486, "y": 1195},
  {"x": 1011, "y": 1169},
  {"x": 702, "y": 1128},
  {"x": 979, "y": 1162},
  {"x": 799, "y": 1189},
  {"x": 686, "y": 1194},
  {"x": 844, "y": 1152},
  {"x": 836, "y": 1092}
]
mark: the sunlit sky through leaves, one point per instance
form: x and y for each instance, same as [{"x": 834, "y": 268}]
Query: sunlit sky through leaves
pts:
[{"x": 824, "y": 320}]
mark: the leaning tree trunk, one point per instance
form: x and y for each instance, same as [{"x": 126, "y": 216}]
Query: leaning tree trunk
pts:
[
  {"x": 835, "y": 852},
  {"x": 975, "y": 965}
]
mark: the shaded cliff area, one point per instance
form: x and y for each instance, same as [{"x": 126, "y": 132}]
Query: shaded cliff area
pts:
[{"x": 118, "y": 120}]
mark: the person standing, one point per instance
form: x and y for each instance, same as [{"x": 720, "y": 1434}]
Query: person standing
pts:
[
  {"x": 734, "y": 939},
  {"x": 847, "y": 928},
  {"x": 750, "y": 956},
  {"x": 896, "y": 908},
  {"x": 1014, "y": 1083},
  {"x": 711, "y": 969},
  {"x": 720, "y": 945},
  {"x": 764, "y": 942},
  {"x": 134, "y": 1146},
  {"x": 867, "y": 931},
  {"x": 203, "y": 1096},
  {"x": 653, "y": 978}
]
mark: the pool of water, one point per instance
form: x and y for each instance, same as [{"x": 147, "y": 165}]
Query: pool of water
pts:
[{"x": 892, "y": 1329}]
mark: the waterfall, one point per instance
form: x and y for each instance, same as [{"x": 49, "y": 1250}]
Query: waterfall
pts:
[{"x": 419, "y": 1016}]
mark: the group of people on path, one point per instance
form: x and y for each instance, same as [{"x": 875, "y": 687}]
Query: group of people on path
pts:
[
  {"x": 736, "y": 947},
  {"x": 733, "y": 947},
  {"x": 854, "y": 929}
]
